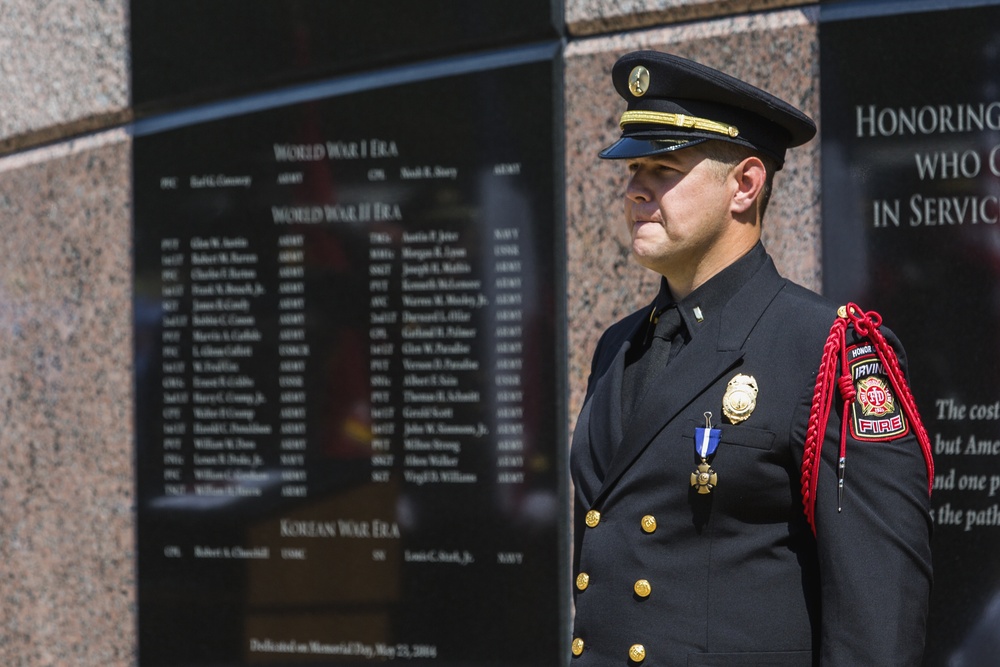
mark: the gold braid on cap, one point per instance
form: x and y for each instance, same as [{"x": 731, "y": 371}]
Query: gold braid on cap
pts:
[{"x": 678, "y": 120}]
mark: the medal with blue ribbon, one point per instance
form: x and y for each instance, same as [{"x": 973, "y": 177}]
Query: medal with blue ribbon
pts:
[{"x": 706, "y": 440}]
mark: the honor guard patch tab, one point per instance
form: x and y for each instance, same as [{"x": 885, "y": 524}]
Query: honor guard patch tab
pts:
[{"x": 876, "y": 415}]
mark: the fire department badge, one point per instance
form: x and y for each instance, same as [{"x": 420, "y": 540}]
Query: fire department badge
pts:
[
  {"x": 876, "y": 416},
  {"x": 740, "y": 398}
]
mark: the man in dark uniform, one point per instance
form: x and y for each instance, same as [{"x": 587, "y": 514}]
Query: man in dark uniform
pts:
[{"x": 695, "y": 543}]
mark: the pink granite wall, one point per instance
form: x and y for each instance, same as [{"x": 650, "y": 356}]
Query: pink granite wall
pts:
[
  {"x": 67, "y": 587},
  {"x": 63, "y": 69},
  {"x": 67, "y": 582},
  {"x": 591, "y": 17}
]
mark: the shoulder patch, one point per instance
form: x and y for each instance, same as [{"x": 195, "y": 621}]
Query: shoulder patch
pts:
[{"x": 876, "y": 415}]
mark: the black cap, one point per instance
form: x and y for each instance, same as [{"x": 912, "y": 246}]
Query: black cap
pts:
[{"x": 674, "y": 103}]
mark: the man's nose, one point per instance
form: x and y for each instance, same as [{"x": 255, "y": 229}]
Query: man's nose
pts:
[{"x": 636, "y": 189}]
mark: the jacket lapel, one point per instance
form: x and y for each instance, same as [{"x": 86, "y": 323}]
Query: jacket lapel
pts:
[
  {"x": 606, "y": 404},
  {"x": 713, "y": 352}
]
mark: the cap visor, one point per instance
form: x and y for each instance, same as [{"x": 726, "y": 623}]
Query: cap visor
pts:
[{"x": 627, "y": 147}]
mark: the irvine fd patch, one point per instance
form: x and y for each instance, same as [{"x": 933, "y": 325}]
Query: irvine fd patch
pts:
[{"x": 876, "y": 415}]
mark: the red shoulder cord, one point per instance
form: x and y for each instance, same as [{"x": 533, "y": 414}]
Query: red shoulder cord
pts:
[{"x": 867, "y": 325}]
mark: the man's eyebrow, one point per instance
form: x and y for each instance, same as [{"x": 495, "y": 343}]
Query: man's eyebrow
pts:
[{"x": 666, "y": 158}]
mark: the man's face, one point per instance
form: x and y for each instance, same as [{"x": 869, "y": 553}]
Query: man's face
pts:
[{"x": 677, "y": 210}]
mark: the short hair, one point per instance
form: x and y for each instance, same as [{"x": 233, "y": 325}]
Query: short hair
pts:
[{"x": 729, "y": 155}]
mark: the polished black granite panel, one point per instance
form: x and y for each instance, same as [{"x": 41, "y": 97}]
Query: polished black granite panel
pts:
[
  {"x": 191, "y": 51},
  {"x": 348, "y": 365},
  {"x": 911, "y": 180}
]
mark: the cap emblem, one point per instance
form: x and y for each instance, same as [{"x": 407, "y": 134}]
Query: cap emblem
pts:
[{"x": 638, "y": 80}]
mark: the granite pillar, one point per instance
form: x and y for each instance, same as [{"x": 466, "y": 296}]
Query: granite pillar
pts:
[{"x": 66, "y": 519}]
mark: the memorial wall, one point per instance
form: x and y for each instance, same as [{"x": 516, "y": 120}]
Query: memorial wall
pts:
[{"x": 300, "y": 298}]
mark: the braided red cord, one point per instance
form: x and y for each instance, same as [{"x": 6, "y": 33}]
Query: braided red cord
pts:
[
  {"x": 891, "y": 363},
  {"x": 866, "y": 324},
  {"x": 846, "y": 385},
  {"x": 819, "y": 415}
]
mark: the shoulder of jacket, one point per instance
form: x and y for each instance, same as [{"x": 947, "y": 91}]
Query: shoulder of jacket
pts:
[{"x": 807, "y": 313}]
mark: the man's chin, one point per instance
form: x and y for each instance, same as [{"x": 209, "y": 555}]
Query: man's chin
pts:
[{"x": 645, "y": 261}]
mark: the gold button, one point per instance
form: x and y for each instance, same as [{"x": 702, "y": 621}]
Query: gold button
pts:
[
  {"x": 593, "y": 518},
  {"x": 637, "y": 653},
  {"x": 649, "y": 523},
  {"x": 582, "y": 581},
  {"x": 642, "y": 588},
  {"x": 577, "y": 646}
]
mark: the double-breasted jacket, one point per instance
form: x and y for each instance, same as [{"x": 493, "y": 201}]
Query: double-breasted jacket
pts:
[{"x": 665, "y": 575}]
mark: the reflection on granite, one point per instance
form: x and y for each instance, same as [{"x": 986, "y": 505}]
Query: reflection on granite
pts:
[
  {"x": 591, "y": 17},
  {"x": 63, "y": 70},
  {"x": 67, "y": 585},
  {"x": 777, "y": 51}
]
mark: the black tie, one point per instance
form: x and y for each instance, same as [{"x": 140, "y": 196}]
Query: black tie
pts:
[{"x": 658, "y": 355}]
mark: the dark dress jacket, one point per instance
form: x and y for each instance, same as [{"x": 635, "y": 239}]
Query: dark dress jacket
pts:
[{"x": 735, "y": 576}]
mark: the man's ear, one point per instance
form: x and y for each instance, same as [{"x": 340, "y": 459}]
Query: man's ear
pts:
[{"x": 750, "y": 176}]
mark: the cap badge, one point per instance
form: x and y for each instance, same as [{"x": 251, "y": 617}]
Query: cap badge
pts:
[
  {"x": 740, "y": 398},
  {"x": 638, "y": 80}
]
